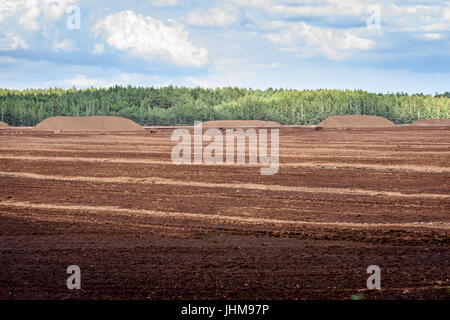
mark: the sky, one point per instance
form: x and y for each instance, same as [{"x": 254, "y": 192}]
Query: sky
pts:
[{"x": 378, "y": 46}]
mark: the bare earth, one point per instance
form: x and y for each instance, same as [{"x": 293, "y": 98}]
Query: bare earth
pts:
[
  {"x": 240, "y": 123},
  {"x": 431, "y": 122},
  {"x": 140, "y": 227},
  {"x": 92, "y": 123},
  {"x": 356, "y": 121}
]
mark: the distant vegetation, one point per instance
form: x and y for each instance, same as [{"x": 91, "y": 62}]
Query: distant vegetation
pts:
[{"x": 173, "y": 105}]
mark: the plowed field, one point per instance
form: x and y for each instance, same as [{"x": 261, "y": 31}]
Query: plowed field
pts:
[{"x": 141, "y": 227}]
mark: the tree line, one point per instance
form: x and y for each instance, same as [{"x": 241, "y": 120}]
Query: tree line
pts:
[{"x": 180, "y": 105}]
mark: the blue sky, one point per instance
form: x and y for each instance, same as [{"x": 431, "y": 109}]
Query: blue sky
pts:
[{"x": 379, "y": 46}]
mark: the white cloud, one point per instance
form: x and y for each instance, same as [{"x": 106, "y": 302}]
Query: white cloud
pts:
[
  {"x": 164, "y": 3},
  {"x": 269, "y": 66},
  {"x": 147, "y": 37},
  {"x": 233, "y": 64},
  {"x": 29, "y": 11},
  {"x": 112, "y": 78},
  {"x": 12, "y": 42},
  {"x": 10, "y": 7},
  {"x": 409, "y": 17},
  {"x": 309, "y": 40},
  {"x": 98, "y": 48},
  {"x": 306, "y": 7},
  {"x": 83, "y": 81},
  {"x": 235, "y": 72},
  {"x": 433, "y": 36},
  {"x": 418, "y": 18},
  {"x": 66, "y": 45},
  {"x": 221, "y": 16}
]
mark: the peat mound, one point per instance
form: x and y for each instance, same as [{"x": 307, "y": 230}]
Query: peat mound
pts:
[
  {"x": 93, "y": 123},
  {"x": 431, "y": 122},
  {"x": 356, "y": 121}
]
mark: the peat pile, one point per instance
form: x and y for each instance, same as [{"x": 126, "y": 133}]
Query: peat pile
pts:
[
  {"x": 431, "y": 122},
  {"x": 3, "y": 124},
  {"x": 240, "y": 123},
  {"x": 93, "y": 123},
  {"x": 356, "y": 121}
]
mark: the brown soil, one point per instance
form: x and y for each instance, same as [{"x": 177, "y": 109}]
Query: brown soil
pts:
[
  {"x": 432, "y": 122},
  {"x": 141, "y": 227},
  {"x": 240, "y": 123},
  {"x": 3, "y": 124},
  {"x": 356, "y": 121},
  {"x": 94, "y": 123}
]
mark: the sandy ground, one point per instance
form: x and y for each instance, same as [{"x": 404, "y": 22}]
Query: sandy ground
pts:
[{"x": 141, "y": 227}]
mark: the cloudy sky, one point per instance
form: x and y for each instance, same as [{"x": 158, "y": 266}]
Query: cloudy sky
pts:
[{"x": 380, "y": 46}]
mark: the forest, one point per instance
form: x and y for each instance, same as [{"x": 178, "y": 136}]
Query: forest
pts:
[{"x": 180, "y": 105}]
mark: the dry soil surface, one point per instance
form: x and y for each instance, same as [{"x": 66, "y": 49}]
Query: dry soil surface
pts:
[
  {"x": 356, "y": 121},
  {"x": 141, "y": 227},
  {"x": 432, "y": 122},
  {"x": 239, "y": 123},
  {"x": 93, "y": 123}
]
